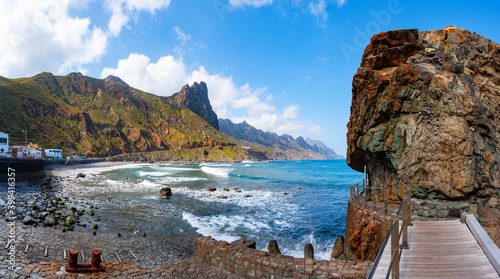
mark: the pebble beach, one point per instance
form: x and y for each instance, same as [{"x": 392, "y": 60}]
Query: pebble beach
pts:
[{"x": 43, "y": 236}]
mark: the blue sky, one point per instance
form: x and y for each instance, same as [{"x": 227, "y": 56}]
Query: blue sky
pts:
[{"x": 282, "y": 66}]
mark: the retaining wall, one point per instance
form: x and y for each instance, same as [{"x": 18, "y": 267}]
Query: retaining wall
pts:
[
  {"x": 251, "y": 263},
  {"x": 27, "y": 171}
]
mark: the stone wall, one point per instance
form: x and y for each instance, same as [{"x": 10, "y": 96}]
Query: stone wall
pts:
[
  {"x": 365, "y": 232},
  {"x": 486, "y": 210},
  {"x": 251, "y": 263},
  {"x": 27, "y": 171},
  {"x": 438, "y": 208}
]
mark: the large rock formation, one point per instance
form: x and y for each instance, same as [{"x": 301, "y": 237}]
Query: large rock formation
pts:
[
  {"x": 424, "y": 112},
  {"x": 195, "y": 98},
  {"x": 425, "y": 107}
]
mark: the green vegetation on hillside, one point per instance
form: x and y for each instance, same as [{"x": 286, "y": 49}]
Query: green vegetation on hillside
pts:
[{"x": 100, "y": 118}]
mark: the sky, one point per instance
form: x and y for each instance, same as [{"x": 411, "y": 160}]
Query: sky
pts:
[{"x": 284, "y": 66}]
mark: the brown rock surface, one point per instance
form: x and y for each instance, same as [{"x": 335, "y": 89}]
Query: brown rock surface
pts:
[
  {"x": 424, "y": 112},
  {"x": 165, "y": 192}
]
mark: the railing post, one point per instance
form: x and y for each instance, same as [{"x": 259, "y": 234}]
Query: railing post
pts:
[
  {"x": 405, "y": 245},
  {"x": 395, "y": 249},
  {"x": 357, "y": 192},
  {"x": 365, "y": 190},
  {"x": 385, "y": 200},
  {"x": 408, "y": 191},
  {"x": 351, "y": 193}
]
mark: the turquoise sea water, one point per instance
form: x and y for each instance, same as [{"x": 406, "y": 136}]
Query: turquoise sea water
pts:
[{"x": 313, "y": 210}]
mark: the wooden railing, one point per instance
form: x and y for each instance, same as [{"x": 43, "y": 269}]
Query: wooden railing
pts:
[{"x": 395, "y": 233}]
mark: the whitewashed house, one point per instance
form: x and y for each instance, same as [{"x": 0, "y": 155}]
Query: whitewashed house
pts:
[
  {"x": 53, "y": 153},
  {"x": 4, "y": 145}
]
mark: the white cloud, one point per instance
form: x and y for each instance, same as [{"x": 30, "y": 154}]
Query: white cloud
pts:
[
  {"x": 122, "y": 9},
  {"x": 319, "y": 10},
  {"x": 341, "y": 3},
  {"x": 164, "y": 77},
  {"x": 291, "y": 112},
  {"x": 41, "y": 35},
  {"x": 255, "y": 3},
  {"x": 181, "y": 36},
  {"x": 238, "y": 103},
  {"x": 318, "y": 130}
]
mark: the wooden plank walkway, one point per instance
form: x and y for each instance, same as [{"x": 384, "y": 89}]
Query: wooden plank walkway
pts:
[{"x": 439, "y": 249}]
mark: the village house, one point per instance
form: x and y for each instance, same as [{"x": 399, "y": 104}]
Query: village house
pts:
[
  {"x": 4, "y": 144},
  {"x": 53, "y": 153}
]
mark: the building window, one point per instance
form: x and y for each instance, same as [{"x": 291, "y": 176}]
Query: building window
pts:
[{"x": 3, "y": 140}]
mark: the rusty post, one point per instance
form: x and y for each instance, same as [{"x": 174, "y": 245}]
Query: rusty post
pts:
[
  {"x": 351, "y": 193},
  {"x": 408, "y": 191},
  {"x": 385, "y": 200},
  {"x": 96, "y": 258},
  {"x": 357, "y": 192},
  {"x": 73, "y": 258},
  {"x": 395, "y": 249}
]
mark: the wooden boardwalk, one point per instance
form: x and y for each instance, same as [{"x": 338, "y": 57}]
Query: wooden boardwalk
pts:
[{"x": 439, "y": 249}]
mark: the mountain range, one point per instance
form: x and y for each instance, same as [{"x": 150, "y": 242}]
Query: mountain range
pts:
[
  {"x": 108, "y": 118},
  {"x": 270, "y": 146}
]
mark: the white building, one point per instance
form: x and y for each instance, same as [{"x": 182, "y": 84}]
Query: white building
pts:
[
  {"x": 53, "y": 153},
  {"x": 4, "y": 144},
  {"x": 34, "y": 154},
  {"x": 19, "y": 151}
]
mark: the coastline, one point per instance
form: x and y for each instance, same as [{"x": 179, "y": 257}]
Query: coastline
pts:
[
  {"x": 146, "y": 248},
  {"x": 35, "y": 262}
]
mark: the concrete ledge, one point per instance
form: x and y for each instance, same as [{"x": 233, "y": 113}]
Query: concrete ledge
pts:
[{"x": 484, "y": 240}]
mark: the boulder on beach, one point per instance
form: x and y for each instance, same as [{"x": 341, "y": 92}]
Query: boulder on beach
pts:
[
  {"x": 222, "y": 197},
  {"x": 165, "y": 192},
  {"x": 226, "y": 189},
  {"x": 212, "y": 189},
  {"x": 28, "y": 220},
  {"x": 80, "y": 175},
  {"x": 70, "y": 220},
  {"x": 248, "y": 196}
]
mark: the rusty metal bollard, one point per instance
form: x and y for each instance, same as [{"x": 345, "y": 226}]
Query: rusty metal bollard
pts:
[
  {"x": 73, "y": 258},
  {"x": 73, "y": 266},
  {"x": 96, "y": 258}
]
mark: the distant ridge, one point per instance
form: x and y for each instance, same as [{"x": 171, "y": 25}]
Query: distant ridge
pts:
[{"x": 270, "y": 146}]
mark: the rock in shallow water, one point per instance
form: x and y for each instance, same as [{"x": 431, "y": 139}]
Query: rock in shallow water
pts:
[
  {"x": 165, "y": 192},
  {"x": 338, "y": 247}
]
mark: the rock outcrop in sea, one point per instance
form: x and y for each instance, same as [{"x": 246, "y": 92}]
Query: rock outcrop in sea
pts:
[{"x": 425, "y": 113}]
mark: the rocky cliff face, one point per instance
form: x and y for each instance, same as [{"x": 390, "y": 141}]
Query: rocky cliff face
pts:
[
  {"x": 425, "y": 113},
  {"x": 195, "y": 98},
  {"x": 106, "y": 117}
]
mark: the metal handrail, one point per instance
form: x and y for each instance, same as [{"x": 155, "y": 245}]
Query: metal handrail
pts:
[
  {"x": 405, "y": 205},
  {"x": 379, "y": 255}
]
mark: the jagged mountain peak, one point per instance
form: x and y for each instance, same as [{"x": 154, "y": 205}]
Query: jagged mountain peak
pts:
[
  {"x": 195, "y": 97},
  {"x": 116, "y": 79}
]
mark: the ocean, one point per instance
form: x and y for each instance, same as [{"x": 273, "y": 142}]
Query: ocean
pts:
[{"x": 293, "y": 202}]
